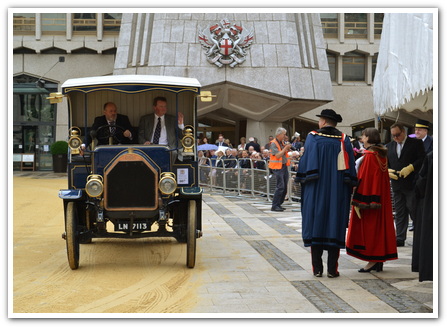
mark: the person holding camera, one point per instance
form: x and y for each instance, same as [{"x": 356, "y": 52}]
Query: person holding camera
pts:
[{"x": 279, "y": 161}]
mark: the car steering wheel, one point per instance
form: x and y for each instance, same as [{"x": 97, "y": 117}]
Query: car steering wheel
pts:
[{"x": 108, "y": 133}]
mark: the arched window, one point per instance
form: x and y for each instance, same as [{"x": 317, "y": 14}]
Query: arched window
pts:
[{"x": 354, "y": 67}]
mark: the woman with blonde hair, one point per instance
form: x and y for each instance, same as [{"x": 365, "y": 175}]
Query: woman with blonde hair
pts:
[
  {"x": 227, "y": 141},
  {"x": 242, "y": 145}
]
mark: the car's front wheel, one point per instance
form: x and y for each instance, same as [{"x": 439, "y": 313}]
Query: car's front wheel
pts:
[
  {"x": 72, "y": 236},
  {"x": 191, "y": 235}
]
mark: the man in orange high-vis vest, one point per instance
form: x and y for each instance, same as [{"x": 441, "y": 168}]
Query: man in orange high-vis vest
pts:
[{"x": 279, "y": 160}]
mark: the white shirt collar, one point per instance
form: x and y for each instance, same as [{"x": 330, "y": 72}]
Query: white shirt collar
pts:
[{"x": 156, "y": 117}]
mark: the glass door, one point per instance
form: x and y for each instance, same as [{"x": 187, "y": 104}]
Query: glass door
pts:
[
  {"x": 29, "y": 147},
  {"x": 33, "y": 140},
  {"x": 45, "y": 137},
  {"x": 29, "y": 139},
  {"x": 17, "y": 147}
]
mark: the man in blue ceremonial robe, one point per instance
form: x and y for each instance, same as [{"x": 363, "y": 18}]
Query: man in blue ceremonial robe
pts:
[{"x": 327, "y": 175}]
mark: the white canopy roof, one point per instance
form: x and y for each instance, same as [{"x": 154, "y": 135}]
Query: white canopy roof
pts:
[
  {"x": 404, "y": 69},
  {"x": 125, "y": 79}
]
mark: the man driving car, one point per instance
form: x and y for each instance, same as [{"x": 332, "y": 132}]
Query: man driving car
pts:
[{"x": 110, "y": 125}]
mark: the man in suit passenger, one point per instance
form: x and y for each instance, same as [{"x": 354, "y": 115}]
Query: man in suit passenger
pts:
[
  {"x": 421, "y": 130},
  {"x": 405, "y": 157},
  {"x": 119, "y": 135},
  {"x": 150, "y": 133},
  {"x": 220, "y": 141}
]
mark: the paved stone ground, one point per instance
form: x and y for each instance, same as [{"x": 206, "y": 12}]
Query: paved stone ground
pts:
[
  {"x": 251, "y": 262},
  {"x": 254, "y": 261}
]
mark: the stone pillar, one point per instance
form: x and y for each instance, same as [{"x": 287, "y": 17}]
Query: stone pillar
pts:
[
  {"x": 69, "y": 34},
  {"x": 38, "y": 26},
  {"x": 99, "y": 26}
]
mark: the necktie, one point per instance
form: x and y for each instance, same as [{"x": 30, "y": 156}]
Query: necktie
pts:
[
  {"x": 399, "y": 149},
  {"x": 112, "y": 128},
  {"x": 157, "y": 132}
]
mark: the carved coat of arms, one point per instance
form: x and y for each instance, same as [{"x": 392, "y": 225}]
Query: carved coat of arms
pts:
[{"x": 225, "y": 43}]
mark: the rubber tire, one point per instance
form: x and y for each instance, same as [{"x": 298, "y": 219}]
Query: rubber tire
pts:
[
  {"x": 191, "y": 235},
  {"x": 72, "y": 238}
]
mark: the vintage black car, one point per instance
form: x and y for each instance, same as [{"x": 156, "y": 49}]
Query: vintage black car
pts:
[{"x": 131, "y": 190}]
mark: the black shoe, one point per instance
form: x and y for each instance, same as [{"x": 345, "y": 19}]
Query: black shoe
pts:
[
  {"x": 282, "y": 208},
  {"x": 400, "y": 243},
  {"x": 318, "y": 274},
  {"x": 334, "y": 275},
  {"x": 378, "y": 266},
  {"x": 279, "y": 209}
]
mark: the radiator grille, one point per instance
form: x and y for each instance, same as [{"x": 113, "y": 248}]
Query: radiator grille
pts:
[{"x": 131, "y": 185}]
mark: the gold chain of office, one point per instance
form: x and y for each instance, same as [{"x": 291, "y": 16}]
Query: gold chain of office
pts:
[{"x": 326, "y": 135}]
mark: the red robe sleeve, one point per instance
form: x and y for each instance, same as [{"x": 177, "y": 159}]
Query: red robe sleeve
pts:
[{"x": 373, "y": 180}]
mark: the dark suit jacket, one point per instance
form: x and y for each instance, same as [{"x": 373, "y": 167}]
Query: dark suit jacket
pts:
[
  {"x": 146, "y": 128},
  {"x": 256, "y": 146},
  {"x": 260, "y": 164},
  {"x": 413, "y": 153},
  {"x": 428, "y": 144},
  {"x": 230, "y": 162},
  {"x": 121, "y": 120},
  {"x": 223, "y": 144}
]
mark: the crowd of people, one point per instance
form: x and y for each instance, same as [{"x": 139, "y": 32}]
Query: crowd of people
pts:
[
  {"x": 348, "y": 187},
  {"x": 251, "y": 155},
  {"x": 252, "y": 149},
  {"x": 357, "y": 194}
]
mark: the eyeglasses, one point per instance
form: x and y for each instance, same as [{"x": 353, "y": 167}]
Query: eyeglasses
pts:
[{"x": 396, "y": 135}]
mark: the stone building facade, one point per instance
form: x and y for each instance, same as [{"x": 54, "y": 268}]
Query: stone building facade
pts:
[
  {"x": 283, "y": 75},
  {"x": 298, "y": 64}
]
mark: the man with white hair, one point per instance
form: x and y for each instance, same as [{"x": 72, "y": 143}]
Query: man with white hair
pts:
[
  {"x": 251, "y": 142},
  {"x": 265, "y": 154},
  {"x": 421, "y": 130},
  {"x": 279, "y": 161}
]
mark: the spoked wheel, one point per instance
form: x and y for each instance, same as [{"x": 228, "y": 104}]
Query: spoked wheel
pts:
[
  {"x": 72, "y": 237},
  {"x": 191, "y": 235}
]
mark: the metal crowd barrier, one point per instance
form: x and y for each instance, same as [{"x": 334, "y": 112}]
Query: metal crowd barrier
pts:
[
  {"x": 236, "y": 176},
  {"x": 244, "y": 177}
]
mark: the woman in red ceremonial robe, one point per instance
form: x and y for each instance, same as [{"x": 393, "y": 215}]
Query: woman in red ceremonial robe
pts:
[{"x": 371, "y": 233}]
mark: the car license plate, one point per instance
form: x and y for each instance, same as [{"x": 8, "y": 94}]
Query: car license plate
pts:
[{"x": 127, "y": 226}]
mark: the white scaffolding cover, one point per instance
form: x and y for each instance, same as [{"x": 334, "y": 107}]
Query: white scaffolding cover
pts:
[{"x": 405, "y": 63}]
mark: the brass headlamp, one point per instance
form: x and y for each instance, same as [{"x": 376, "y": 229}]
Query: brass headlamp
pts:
[
  {"x": 167, "y": 183},
  {"x": 75, "y": 141},
  {"x": 188, "y": 140},
  {"x": 94, "y": 186}
]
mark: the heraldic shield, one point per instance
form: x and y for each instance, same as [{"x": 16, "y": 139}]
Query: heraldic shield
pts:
[
  {"x": 226, "y": 47},
  {"x": 226, "y": 44}
]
